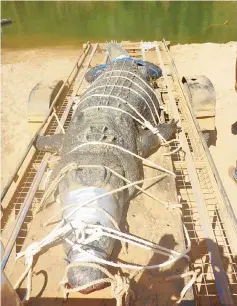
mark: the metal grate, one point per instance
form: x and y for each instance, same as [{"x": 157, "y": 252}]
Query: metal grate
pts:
[
  {"x": 205, "y": 289},
  {"x": 205, "y": 286},
  {"x": 25, "y": 184},
  {"x": 18, "y": 198},
  {"x": 30, "y": 175}
]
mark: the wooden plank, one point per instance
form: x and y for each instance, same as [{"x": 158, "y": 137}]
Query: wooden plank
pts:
[{"x": 85, "y": 68}]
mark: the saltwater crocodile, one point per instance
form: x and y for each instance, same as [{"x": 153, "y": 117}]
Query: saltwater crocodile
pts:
[{"x": 105, "y": 115}]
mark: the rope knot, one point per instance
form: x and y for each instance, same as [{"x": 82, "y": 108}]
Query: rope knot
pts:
[
  {"x": 120, "y": 286},
  {"x": 30, "y": 251}
]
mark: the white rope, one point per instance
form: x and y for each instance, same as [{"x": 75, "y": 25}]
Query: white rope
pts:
[
  {"x": 74, "y": 166},
  {"x": 115, "y": 81},
  {"x": 120, "y": 285},
  {"x": 143, "y": 124},
  {"x": 167, "y": 205},
  {"x": 58, "y": 121},
  {"x": 28, "y": 273},
  {"x": 148, "y": 162},
  {"x": 129, "y": 72},
  {"x": 129, "y": 238},
  {"x": 130, "y": 89},
  {"x": 87, "y": 233},
  {"x": 175, "y": 150},
  {"x": 189, "y": 284},
  {"x": 100, "y": 197},
  {"x": 59, "y": 232},
  {"x": 147, "y": 123},
  {"x": 62, "y": 172},
  {"x": 132, "y": 81},
  {"x": 34, "y": 249},
  {"x": 115, "y": 97},
  {"x": 133, "y": 239},
  {"x": 82, "y": 229}
]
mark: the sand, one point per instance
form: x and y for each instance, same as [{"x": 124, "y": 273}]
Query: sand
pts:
[{"x": 22, "y": 70}]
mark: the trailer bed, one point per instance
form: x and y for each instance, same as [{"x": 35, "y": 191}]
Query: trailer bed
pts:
[{"x": 206, "y": 211}]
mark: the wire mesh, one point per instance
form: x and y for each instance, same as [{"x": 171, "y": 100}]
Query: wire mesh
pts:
[
  {"x": 205, "y": 290},
  {"x": 19, "y": 196},
  {"x": 205, "y": 286}
]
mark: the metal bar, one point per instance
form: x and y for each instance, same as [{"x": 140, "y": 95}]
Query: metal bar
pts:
[
  {"x": 228, "y": 209},
  {"x": 34, "y": 186},
  {"x": 213, "y": 251},
  {"x": 23, "y": 212},
  {"x": 89, "y": 61},
  {"x": 75, "y": 67},
  {"x": 69, "y": 105}
]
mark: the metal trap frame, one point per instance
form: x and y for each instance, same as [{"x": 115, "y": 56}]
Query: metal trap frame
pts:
[{"x": 207, "y": 212}]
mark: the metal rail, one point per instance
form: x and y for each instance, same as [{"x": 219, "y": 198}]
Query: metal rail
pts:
[
  {"x": 221, "y": 280},
  {"x": 34, "y": 186},
  {"x": 74, "y": 73},
  {"x": 228, "y": 209}
]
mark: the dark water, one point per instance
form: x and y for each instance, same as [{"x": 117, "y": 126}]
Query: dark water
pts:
[{"x": 61, "y": 23}]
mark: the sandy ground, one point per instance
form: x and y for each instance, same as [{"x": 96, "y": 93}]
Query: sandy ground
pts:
[{"x": 22, "y": 70}]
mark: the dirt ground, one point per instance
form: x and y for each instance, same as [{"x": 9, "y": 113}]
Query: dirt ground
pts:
[{"x": 22, "y": 70}]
